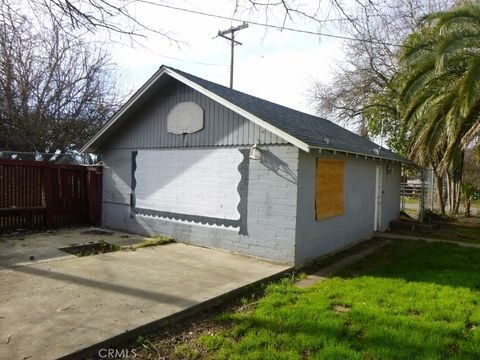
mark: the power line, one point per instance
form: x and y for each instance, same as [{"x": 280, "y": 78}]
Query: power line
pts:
[
  {"x": 187, "y": 61},
  {"x": 316, "y": 33},
  {"x": 161, "y": 55}
]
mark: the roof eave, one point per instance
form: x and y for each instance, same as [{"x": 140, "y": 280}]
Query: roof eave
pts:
[{"x": 357, "y": 154}]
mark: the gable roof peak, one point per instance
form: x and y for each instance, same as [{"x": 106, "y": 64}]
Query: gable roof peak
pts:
[{"x": 303, "y": 130}]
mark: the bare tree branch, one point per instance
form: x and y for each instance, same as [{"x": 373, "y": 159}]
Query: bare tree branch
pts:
[
  {"x": 55, "y": 90},
  {"x": 371, "y": 62}
]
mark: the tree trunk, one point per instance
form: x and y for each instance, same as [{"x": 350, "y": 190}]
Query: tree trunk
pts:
[
  {"x": 453, "y": 190},
  {"x": 454, "y": 180},
  {"x": 468, "y": 204},
  {"x": 442, "y": 201}
]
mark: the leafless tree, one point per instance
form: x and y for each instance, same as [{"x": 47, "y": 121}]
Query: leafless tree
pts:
[
  {"x": 284, "y": 10},
  {"x": 55, "y": 90},
  {"x": 363, "y": 83},
  {"x": 471, "y": 169},
  {"x": 118, "y": 16},
  {"x": 112, "y": 15}
]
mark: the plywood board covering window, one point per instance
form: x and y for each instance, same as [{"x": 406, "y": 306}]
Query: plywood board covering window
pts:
[{"x": 329, "y": 188}]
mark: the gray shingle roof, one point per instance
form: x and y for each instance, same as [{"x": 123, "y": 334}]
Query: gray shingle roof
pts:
[{"x": 312, "y": 130}]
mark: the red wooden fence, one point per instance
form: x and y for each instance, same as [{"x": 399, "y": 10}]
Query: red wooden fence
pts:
[{"x": 38, "y": 194}]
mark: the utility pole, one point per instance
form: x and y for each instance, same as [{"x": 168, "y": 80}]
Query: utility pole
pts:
[{"x": 233, "y": 42}]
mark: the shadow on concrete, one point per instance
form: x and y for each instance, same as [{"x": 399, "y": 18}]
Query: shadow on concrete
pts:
[{"x": 126, "y": 290}]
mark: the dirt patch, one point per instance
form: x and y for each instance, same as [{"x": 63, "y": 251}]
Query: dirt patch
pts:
[
  {"x": 462, "y": 229},
  {"x": 179, "y": 341},
  {"x": 468, "y": 221},
  {"x": 94, "y": 248},
  {"x": 97, "y": 232},
  {"x": 340, "y": 309}
]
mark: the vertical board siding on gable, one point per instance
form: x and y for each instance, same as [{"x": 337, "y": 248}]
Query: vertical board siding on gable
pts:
[{"x": 147, "y": 128}]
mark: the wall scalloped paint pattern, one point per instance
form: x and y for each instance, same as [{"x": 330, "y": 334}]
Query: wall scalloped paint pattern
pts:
[{"x": 201, "y": 182}]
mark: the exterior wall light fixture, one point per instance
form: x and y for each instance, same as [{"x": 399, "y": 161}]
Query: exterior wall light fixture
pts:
[{"x": 255, "y": 153}]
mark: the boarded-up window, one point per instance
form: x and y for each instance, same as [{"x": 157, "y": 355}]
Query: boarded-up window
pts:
[{"x": 329, "y": 188}]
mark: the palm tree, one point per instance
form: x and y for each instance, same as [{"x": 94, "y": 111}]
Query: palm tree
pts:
[{"x": 439, "y": 90}]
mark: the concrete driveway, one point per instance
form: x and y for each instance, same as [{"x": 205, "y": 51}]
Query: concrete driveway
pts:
[{"x": 58, "y": 303}]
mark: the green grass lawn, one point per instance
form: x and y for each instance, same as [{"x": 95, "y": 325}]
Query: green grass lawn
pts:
[
  {"x": 410, "y": 300},
  {"x": 409, "y": 200}
]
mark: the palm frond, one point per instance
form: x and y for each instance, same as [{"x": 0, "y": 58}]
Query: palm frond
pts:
[{"x": 470, "y": 87}]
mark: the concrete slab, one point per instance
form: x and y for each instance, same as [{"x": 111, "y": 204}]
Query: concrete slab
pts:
[
  {"x": 17, "y": 250},
  {"x": 66, "y": 303}
]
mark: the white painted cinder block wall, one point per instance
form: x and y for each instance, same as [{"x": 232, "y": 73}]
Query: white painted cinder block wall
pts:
[
  {"x": 316, "y": 238},
  {"x": 271, "y": 207},
  {"x": 281, "y": 222}
]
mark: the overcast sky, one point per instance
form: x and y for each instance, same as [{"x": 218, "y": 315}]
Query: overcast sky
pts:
[{"x": 276, "y": 65}]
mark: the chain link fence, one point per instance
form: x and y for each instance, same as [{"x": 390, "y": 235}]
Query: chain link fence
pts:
[
  {"x": 420, "y": 190},
  {"x": 417, "y": 191},
  {"x": 71, "y": 158}
]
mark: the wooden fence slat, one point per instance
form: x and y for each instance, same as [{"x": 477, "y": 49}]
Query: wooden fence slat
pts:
[{"x": 35, "y": 194}]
